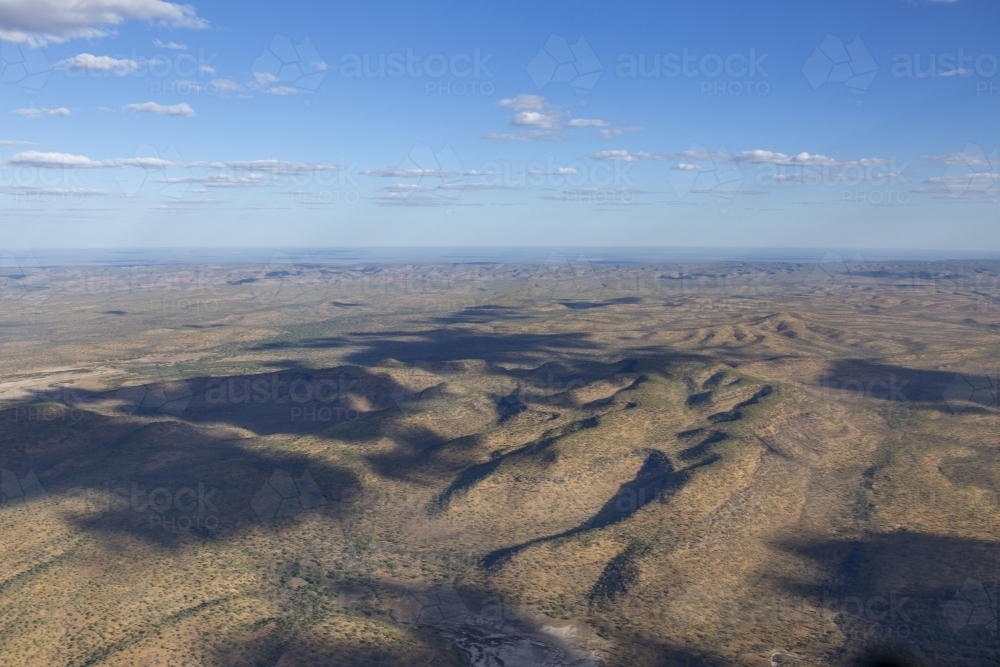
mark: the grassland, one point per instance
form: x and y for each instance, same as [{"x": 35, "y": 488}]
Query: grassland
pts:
[{"x": 567, "y": 464}]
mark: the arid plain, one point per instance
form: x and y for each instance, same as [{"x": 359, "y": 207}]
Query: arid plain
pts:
[{"x": 570, "y": 463}]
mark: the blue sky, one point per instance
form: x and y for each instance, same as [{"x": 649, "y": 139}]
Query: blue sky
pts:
[{"x": 143, "y": 123}]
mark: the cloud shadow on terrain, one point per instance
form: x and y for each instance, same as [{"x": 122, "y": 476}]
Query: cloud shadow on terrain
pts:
[
  {"x": 587, "y": 305},
  {"x": 946, "y": 391},
  {"x": 164, "y": 480},
  {"x": 174, "y": 435},
  {"x": 937, "y": 594},
  {"x": 447, "y": 344},
  {"x": 483, "y": 315}
]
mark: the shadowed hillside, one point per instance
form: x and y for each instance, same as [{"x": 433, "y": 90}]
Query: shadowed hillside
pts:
[{"x": 633, "y": 465}]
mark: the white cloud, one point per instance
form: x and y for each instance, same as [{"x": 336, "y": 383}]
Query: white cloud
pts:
[
  {"x": 44, "y": 160},
  {"x": 537, "y": 119},
  {"x": 542, "y": 120},
  {"x": 221, "y": 180},
  {"x": 255, "y": 170},
  {"x": 700, "y": 155},
  {"x": 51, "y": 160},
  {"x": 545, "y": 121},
  {"x": 615, "y": 132},
  {"x": 474, "y": 186},
  {"x": 524, "y": 103},
  {"x": 42, "y": 191},
  {"x": 265, "y": 78},
  {"x": 35, "y": 112},
  {"x": 281, "y": 90},
  {"x": 414, "y": 199},
  {"x": 955, "y": 72},
  {"x": 803, "y": 160},
  {"x": 403, "y": 197},
  {"x": 726, "y": 192},
  {"x": 588, "y": 122},
  {"x": 13, "y": 142},
  {"x": 757, "y": 157},
  {"x": 529, "y": 135},
  {"x": 624, "y": 156},
  {"x": 176, "y": 202},
  {"x": 613, "y": 154},
  {"x": 206, "y": 69},
  {"x": 141, "y": 162},
  {"x": 602, "y": 191},
  {"x": 88, "y": 62},
  {"x": 829, "y": 177},
  {"x": 225, "y": 86},
  {"x": 687, "y": 166},
  {"x": 402, "y": 172},
  {"x": 265, "y": 82},
  {"x": 558, "y": 171},
  {"x": 962, "y": 160},
  {"x": 38, "y": 22},
  {"x": 182, "y": 109},
  {"x": 974, "y": 185},
  {"x": 276, "y": 167},
  {"x": 770, "y": 157},
  {"x": 173, "y": 46},
  {"x": 403, "y": 187}
]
